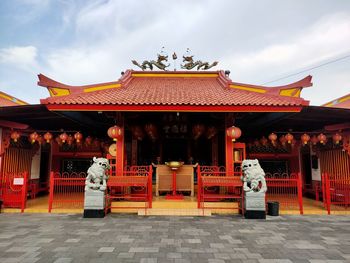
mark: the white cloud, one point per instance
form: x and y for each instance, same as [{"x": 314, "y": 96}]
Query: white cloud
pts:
[{"x": 21, "y": 57}]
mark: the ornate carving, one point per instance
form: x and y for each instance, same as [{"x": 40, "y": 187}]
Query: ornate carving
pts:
[
  {"x": 190, "y": 64},
  {"x": 253, "y": 176},
  {"x": 97, "y": 178},
  {"x": 149, "y": 64}
]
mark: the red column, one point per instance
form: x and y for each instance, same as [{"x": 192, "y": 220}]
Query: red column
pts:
[
  {"x": 51, "y": 191},
  {"x": 300, "y": 193},
  {"x": 120, "y": 156}
]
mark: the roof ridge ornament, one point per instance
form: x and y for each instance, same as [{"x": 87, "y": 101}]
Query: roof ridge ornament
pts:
[
  {"x": 148, "y": 64},
  {"x": 190, "y": 64},
  {"x": 188, "y": 60}
]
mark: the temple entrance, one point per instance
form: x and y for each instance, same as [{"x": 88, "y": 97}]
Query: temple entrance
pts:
[{"x": 175, "y": 149}]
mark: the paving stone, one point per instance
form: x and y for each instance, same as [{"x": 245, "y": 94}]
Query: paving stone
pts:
[
  {"x": 106, "y": 249},
  {"x": 63, "y": 238}
]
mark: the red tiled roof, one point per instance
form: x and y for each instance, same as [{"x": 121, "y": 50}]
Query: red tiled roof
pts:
[
  {"x": 342, "y": 102},
  {"x": 8, "y": 100},
  {"x": 179, "y": 90}
]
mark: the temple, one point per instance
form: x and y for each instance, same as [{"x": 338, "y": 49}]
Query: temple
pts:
[{"x": 201, "y": 121}]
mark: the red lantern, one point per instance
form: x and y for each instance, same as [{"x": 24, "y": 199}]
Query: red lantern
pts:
[
  {"x": 273, "y": 138},
  {"x": 263, "y": 141},
  {"x": 305, "y": 138},
  {"x": 63, "y": 137},
  {"x": 137, "y": 132},
  {"x": 70, "y": 139},
  {"x": 322, "y": 138},
  {"x": 198, "y": 131},
  {"x": 39, "y": 139},
  {"x": 314, "y": 140},
  {"x": 151, "y": 130},
  {"x": 234, "y": 133},
  {"x": 211, "y": 132},
  {"x": 78, "y": 137},
  {"x": 88, "y": 140},
  {"x": 337, "y": 138},
  {"x": 48, "y": 137},
  {"x": 115, "y": 133},
  {"x": 283, "y": 140},
  {"x": 289, "y": 137},
  {"x": 33, "y": 137},
  {"x": 15, "y": 135}
]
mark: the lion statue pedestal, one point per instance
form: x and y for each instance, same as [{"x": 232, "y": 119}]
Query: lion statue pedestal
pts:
[
  {"x": 254, "y": 187},
  {"x": 95, "y": 187}
]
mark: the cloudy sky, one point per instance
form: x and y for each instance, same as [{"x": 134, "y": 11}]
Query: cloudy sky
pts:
[{"x": 84, "y": 42}]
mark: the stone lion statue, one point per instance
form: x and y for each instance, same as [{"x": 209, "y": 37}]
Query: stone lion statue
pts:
[
  {"x": 253, "y": 175},
  {"x": 96, "y": 178}
]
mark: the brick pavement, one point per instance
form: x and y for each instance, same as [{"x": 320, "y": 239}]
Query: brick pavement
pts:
[{"x": 46, "y": 238}]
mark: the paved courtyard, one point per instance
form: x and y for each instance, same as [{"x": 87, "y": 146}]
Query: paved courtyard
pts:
[{"x": 127, "y": 238}]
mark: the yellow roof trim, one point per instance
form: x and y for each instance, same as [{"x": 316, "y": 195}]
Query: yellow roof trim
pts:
[
  {"x": 344, "y": 99},
  {"x": 175, "y": 75},
  {"x": 293, "y": 92},
  {"x": 111, "y": 86},
  {"x": 56, "y": 92},
  {"x": 12, "y": 99},
  {"x": 248, "y": 88}
]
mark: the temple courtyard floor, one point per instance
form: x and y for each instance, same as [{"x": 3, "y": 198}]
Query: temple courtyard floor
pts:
[{"x": 130, "y": 238}]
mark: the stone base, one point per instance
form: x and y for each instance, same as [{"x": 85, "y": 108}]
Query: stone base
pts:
[
  {"x": 92, "y": 213},
  {"x": 94, "y": 200},
  {"x": 253, "y": 214}
]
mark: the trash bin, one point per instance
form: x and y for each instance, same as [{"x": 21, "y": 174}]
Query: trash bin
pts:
[
  {"x": 0, "y": 205},
  {"x": 273, "y": 208}
]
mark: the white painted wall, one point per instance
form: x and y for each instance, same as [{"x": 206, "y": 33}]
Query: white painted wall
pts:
[{"x": 35, "y": 170}]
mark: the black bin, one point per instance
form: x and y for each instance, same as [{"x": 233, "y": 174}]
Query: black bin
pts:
[{"x": 273, "y": 208}]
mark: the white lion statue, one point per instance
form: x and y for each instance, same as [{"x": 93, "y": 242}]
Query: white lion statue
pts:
[
  {"x": 253, "y": 175},
  {"x": 96, "y": 178}
]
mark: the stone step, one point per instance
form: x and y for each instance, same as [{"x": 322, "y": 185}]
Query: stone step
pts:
[{"x": 174, "y": 212}]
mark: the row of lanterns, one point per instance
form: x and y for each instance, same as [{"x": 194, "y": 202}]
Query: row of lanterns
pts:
[
  {"x": 305, "y": 139},
  {"x": 47, "y": 137}
]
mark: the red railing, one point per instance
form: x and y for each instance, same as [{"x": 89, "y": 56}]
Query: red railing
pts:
[
  {"x": 14, "y": 190},
  {"x": 66, "y": 190},
  {"x": 285, "y": 189},
  {"x": 134, "y": 185},
  {"x": 336, "y": 192},
  {"x": 214, "y": 184}
]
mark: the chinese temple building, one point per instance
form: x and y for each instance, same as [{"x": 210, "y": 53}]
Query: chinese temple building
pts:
[{"x": 200, "y": 120}]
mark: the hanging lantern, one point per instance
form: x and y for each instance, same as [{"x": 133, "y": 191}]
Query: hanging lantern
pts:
[
  {"x": 40, "y": 139},
  {"x": 63, "y": 137},
  {"x": 78, "y": 137},
  {"x": 33, "y": 137},
  {"x": 211, "y": 132},
  {"x": 58, "y": 140},
  {"x": 337, "y": 138},
  {"x": 137, "y": 132},
  {"x": 96, "y": 143},
  {"x": 305, "y": 138},
  {"x": 115, "y": 133},
  {"x": 263, "y": 141},
  {"x": 273, "y": 138},
  {"x": 88, "y": 140},
  {"x": 314, "y": 140},
  {"x": 289, "y": 137},
  {"x": 283, "y": 140},
  {"x": 70, "y": 139},
  {"x": 15, "y": 135},
  {"x": 198, "y": 130},
  {"x": 48, "y": 137},
  {"x": 151, "y": 130},
  {"x": 234, "y": 133},
  {"x": 322, "y": 138}
]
